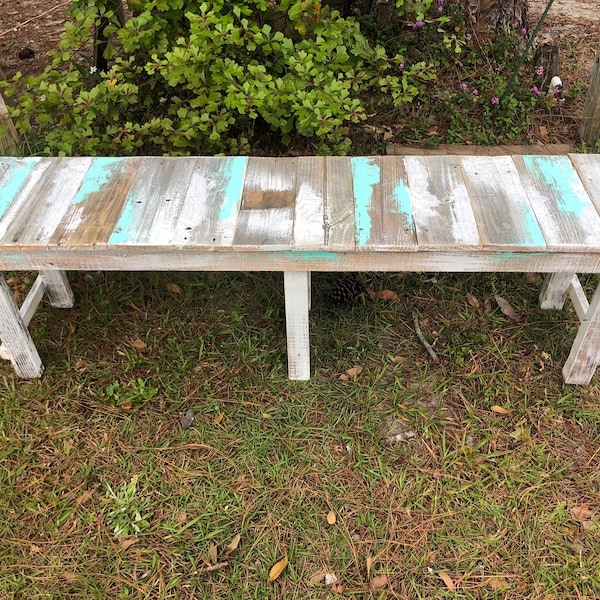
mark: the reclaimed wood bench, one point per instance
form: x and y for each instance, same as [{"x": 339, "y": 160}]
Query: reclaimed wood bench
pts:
[{"x": 296, "y": 215}]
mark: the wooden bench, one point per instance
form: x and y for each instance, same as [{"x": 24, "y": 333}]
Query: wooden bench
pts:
[{"x": 297, "y": 215}]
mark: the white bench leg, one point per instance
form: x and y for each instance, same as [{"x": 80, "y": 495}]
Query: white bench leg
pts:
[
  {"x": 585, "y": 354},
  {"x": 297, "y": 304},
  {"x": 58, "y": 289},
  {"x": 555, "y": 289},
  {"x": 16, "y": 337}
]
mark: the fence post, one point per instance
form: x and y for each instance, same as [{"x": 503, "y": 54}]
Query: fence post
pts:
[{"x": 590, "y": 123}]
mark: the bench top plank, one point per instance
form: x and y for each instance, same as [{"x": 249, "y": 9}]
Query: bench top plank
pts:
[
  {"x": 505, "y": 218},
  {"x": 329, "y": 205},
  {"x": 564, "y": 211}
]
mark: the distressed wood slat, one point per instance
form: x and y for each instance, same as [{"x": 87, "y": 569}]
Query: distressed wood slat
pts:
[
  {"x": 46, "y": 199},
  {"x": 14, "y": 172},
  {"x": 588, "y": 168},
  {"x": 95, "y": 208},
  {"x": 566, "y": 214},
  {"x": 339, "y": 223},
  {"x": 505, "y": 218},
  {"x": 309, "y": 232},
  {"x": 440, "y": 203},
  {"x": 266, "y": 217}
]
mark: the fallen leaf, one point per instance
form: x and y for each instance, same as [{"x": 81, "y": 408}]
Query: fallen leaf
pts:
[
  {"x": 338, "y": 588},
  {"x": 473, "y": 301},
  {"x": 351, "y": 373},
  {"x": 497, "y": 582},
  {"x": 447, "y": 580},
  {"x": 173, "y": 287},
  {"x": 213, "y": 553},
  {"x": 330, "y": 578},
  {"x": 500, "y": 410},
  {"x": 369, "y": 565},
  {"x": 127, "y": 405},
  {"x": 138, "y": 344},
  {"x": 127, "y": 543},
  {"x": 182, "y": 516},
  {"x": 219, "y": 418},
  {"x": 507, "y": 309},
  {"x": 583, "y": 512},
  {"x": 543, "y": 131},
  {"x": 331, "y": 519},
  {"x": 233, "y": 545},
  {"x": 277, "y": 568},
  {"x": 87, "y": 495},
  {"x": 378, "y": 582},
  {"x": 386, "y": 295},
  {"x": 70, "y": 577}
]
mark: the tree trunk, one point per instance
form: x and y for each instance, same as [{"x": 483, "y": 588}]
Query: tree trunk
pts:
[{"x": 499, "y": 15}]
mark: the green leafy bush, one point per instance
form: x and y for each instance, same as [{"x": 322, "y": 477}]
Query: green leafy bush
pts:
[{"x": 192, "y": 77}]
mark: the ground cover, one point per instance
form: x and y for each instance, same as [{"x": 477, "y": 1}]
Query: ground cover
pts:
[{"x": 165, "y": 454}]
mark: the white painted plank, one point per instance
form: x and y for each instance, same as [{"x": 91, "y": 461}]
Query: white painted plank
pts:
[
  {"x": 505, "y": 218},
  {"x": 339, "y": 220},
  {"x": 588, "y": 169},
  {"x": 440, "y": 204},
  {"x": 43, "y": 201},
  {"x": 554, "y": 291},
  {"x": 563, "y": 209},
  {"x": 309, "y": 230},
  {"x": 297, "y": 303},
  {"x": 58, "y": 289}
]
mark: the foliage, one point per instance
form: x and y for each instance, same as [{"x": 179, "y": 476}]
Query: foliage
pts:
[{"x": 197, "y": 77}]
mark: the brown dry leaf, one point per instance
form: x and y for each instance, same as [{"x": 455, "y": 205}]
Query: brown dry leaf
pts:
[
  {"x": 447, "y": 580},
  {"x": 70, "y": 577},
  {"x": 233, "y": 545},
  {"x": 497, "y": 582},
  {"x": 378, "y": 582},
  {"x": 87, "y": 495},
  {"x": 386, "y": 295},
  {"x": 583, "y": 512},
  {"x": 500, "y": 410},
  {"x": 213, "y": 553},
  {"x": 507, "y": 309},
  {"x": 351, "y": 373},
  {"x": 277, "y": 568},
  {"x": 473, "y": 301},
  {"x": 138, "y": 344},
  {"x": 127, "y": 406},
  {"x": 219, "y": 418},
  {"x": 338, "y": 588},
  {"x": 331, "y": 518},
  {"x": 369, "y": 565},
  {"x": 173, "y": 287},
  {"x": 543, "y": 131},
  {"x": 182, "y": 516},
  {"x": 129, "y": 542}
]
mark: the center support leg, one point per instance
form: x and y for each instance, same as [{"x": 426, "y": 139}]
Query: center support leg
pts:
[
  {"x": 16, "y": 338},
  {"x": 297, "y": 305}
]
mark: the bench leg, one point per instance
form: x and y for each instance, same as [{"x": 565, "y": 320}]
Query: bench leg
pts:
[
  {"x": 297, "y": 304},
  {"x": 16, "y": 337},
  {"x": 555, "y": 289},
  {"x": 57, "y": 288},
  {"x": 585, "y": 354}
]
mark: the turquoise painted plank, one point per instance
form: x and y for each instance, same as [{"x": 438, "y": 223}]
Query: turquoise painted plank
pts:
[
  {"x": 366, "y": 175},
  {"x": 13, "y": 174},
  {"x": 101, "y": 171}
]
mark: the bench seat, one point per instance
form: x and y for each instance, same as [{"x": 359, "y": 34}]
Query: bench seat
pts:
[{"x": 297, "y": 215}]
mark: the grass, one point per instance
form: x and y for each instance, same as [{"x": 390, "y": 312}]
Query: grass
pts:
[{"x": 105, "y": 495}]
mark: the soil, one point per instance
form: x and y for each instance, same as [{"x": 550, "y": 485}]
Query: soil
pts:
[{"x": 30, "y": 28}]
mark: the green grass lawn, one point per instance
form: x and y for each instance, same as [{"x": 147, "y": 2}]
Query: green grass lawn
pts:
[{"x": 494, "y": 492}]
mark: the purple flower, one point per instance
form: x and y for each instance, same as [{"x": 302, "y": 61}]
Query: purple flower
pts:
[
  {"x": 495, "y": 100},
  {"x": 418, "y": 24},
  {"x": 401, "y": 65},
  {"x": 440, "y": 9},
  {"x": 557, "y": 90},
  {"x": 468, "y": 37},
  {"x": 540, "y": 70},
  {"x": 475, "y": 92},
  {"x": 524, "y": 31},
  {"x": 355, "y": 11},
  {"x": 463, "y": 86},
  {"x": 536, "y": 91}
]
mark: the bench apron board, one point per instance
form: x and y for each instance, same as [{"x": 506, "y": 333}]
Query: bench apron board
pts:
[{"x": 297, "y": 215}]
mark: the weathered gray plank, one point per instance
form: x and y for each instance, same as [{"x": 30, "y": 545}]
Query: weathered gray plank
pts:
[
  {"x": 588, "y": 168},
  {"x": 309, "y": 231},
  {"x": 504, "y": 216},
  {"x": 266, "y": 217},
  {"x": 440, "y": 203},
  {"x": 565, "y": 213},
  {"x": 339, "y": 205}
]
